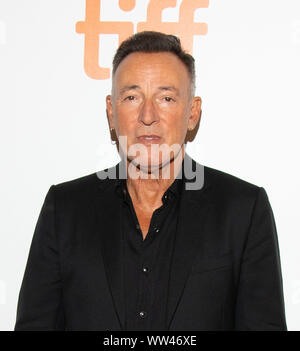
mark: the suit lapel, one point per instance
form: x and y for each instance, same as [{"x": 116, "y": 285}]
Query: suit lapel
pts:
[
  {"x": 109, "y": 227},
  {"x": 194, "y": 210}
]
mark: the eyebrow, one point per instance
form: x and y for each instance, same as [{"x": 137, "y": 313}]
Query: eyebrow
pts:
[
  {"x": 169, "y": 88},
  {"x": 135, "y": 87},
  {"x": 129, "y": 87}
]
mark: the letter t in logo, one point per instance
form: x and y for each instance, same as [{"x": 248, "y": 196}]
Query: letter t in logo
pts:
[{"x": 93, "y": 27}]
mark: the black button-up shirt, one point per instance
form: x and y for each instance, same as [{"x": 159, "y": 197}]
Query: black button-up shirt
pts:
[{"x": 147, "y": 261}]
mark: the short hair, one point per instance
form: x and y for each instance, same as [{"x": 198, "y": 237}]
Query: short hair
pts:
[{"x": 151, "y": 41}]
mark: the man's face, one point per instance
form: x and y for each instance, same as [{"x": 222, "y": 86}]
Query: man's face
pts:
[{"x": 151, "y": 96}]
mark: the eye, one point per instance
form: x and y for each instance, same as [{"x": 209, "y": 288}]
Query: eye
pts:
[
  {"x": 168, "y": 98},
  {"x": 130, "y": 98}
]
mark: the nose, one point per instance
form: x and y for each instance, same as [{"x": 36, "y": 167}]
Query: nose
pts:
[{"x": 148, "y": 113}]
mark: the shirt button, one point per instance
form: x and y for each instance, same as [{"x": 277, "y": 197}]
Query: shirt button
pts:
[
  {"x": 142, "y": 314},
  {"x": 145, "y": 270},
  {"x": 156, "y": 230}
]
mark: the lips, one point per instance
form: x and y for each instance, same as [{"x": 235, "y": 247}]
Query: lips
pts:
[{"x": 149, "y": 138}]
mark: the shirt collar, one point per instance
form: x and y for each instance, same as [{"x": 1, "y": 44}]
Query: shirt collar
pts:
[{"x": 173, "y": 191}]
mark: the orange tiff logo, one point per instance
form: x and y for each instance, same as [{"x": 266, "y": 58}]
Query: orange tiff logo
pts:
[{"x": 92, "y": 27}]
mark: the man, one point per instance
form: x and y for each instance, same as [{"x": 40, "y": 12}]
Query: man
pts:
[{"x": 172, "y": 245}]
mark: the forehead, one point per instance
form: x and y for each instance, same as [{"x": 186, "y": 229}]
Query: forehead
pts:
[{"x": 160, "y": 68}]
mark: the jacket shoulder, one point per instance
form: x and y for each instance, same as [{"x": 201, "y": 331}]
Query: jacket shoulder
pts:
[
  {"x": 84, "y": 186},
  {"x": 232, "y": 196},
  {"x": 77, "y": 183},
  {"x": 77, "y": 190},
  {"x": 230, "y": 186},
  {"x": 222, "y": 178}
]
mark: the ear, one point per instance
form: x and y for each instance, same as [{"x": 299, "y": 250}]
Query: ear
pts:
[
  {"x": 195, "y": 114},
  {"x": 109, "y": 111}
]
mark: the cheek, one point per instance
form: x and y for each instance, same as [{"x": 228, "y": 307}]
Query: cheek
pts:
[
  {"x": 126, "y": 122},
  {"x": 176, "y": 126}
]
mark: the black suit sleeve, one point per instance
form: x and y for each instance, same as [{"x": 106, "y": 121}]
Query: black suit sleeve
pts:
[
  {"x": 260, "y": 300},
  {"x": 40, "y": 298}
]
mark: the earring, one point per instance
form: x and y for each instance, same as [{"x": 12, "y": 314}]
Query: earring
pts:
[{"x": 113, "y": 143}]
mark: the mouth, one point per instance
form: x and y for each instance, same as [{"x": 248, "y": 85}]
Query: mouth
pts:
[{"x": 149, "y": 139}]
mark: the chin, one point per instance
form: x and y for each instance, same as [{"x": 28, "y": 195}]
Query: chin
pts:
[
  {"x": 145, "y": 162},
  {"x": 144, "y": 168}
]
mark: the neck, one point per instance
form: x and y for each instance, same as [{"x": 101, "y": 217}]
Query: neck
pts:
[{"x": 147, "y": 192}]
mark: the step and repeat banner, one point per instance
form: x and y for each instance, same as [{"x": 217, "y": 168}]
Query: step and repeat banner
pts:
[
  {"x": 93, "y": 27},
  {"x": 55, "y": 72}
]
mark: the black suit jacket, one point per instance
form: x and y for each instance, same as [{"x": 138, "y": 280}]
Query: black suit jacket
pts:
[{"x": 225, "y": 271}]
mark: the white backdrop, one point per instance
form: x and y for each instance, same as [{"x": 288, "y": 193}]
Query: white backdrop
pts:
[{"x": 54, "y": 127}]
